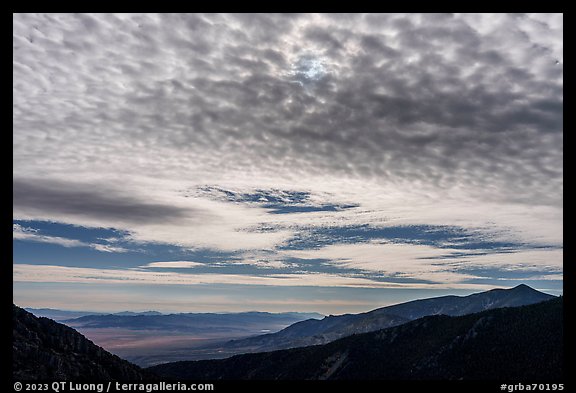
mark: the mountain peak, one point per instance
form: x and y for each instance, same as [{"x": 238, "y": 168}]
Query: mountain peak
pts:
[
  {"x": 525, "y": 289},
  {"x": 518, "y": 289}
]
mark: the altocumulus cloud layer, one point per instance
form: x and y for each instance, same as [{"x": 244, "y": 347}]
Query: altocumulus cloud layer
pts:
[{"x": 241, "y": 133}]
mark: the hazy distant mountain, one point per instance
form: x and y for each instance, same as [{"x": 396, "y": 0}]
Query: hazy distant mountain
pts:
[
  {"x": 63, "y": 315},
  {"x": 248, "y": 322},
  {"x": 506, "y": 344},
  {"x": 45, "y": 349},
  {"x": 314, "y": 332},
  {"x": 132, "y": 313},
  {"x": 59, "y": 315},
  {"x": 149, "y": 338}
]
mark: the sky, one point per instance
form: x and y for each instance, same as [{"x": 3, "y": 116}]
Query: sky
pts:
[{"x": 284, "y": 162}]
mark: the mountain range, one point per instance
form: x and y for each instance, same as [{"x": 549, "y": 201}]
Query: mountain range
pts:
[
  {"x": 149, "y": 338},
  {"x": 489, "y": 335},
  {"x": 330, "y": 328},
  {"x": 245, "y": 322},
  {"x": 506, "y": 344}
]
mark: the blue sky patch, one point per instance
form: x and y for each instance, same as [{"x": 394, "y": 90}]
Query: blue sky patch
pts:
[
  {"x": 279, "y": 201},
  {"x": 436, "y": 236},
  {"x": 68, "y": 231},
  {"x": 85, "y": 255}
]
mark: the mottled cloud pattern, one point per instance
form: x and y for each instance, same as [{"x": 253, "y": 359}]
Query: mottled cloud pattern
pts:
[
  {"x": 434, "y": 98},
  {"x": 246, "y": 133}
]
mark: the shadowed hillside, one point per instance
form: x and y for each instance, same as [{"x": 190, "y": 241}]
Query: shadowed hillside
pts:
[
  {"x": 519, "y": 343},
  {"x": 323, "y": 331},
  {"x": 44, "y": 349}
]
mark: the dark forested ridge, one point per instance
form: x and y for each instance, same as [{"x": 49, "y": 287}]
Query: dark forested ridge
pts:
[
  {"x": 45, "y": 349},
  {"x": 515, "y": 343}
]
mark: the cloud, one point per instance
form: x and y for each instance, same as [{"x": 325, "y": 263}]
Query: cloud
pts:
[
  {"x": 23, "y": 233},
  {"x": 431, "y": 263},
  {"x": 390, "y": 260},
  {"x": 448, "y": 101},
  {"x": 61, "y": 274},
  {"x": 382, "y": 120},
  {"x": 173, "y": 264},
  {"x": 82, "y": 200},
  {"x": 108, "y": 248},
  {"x": 146, "y": 217}
]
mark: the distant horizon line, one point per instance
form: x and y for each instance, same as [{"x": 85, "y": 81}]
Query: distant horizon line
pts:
[
  {"x": 93, "y": 312},
  {"x": 165, "y": 312}
]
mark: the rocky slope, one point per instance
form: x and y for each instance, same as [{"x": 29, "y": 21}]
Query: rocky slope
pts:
[{"x": 44, "y": 349}]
